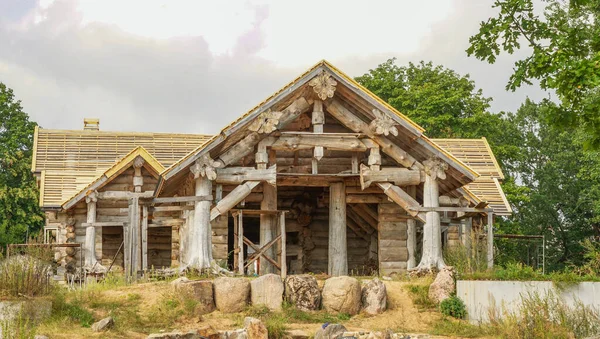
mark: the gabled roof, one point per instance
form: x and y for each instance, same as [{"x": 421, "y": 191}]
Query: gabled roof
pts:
[
  {"x": 478, "y": 155},
  {"x": 69, "y": 160},
  {"x": 150, "y": 163},
  {"x": 420, "y": 142}
]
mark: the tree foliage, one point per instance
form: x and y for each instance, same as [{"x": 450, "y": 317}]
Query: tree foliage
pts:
[
  {"x": 564, "y": 55},
  {"x": 443, "y": 102},
  {"x": 19, "y": 209}
]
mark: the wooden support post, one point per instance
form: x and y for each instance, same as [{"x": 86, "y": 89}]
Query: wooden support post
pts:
[
  {"x": 355, "y": 163},
  {"x": 338, "y": 251},
  {"x": 240, "y": 227},
  {"x": 283, "y": 246},
  {"x": 411, "y": 240},
  {"x": 467, "y": 236},
  {"x": 431, "y": 257},
  {"x": 318, "y": 119},
  {"x": 490, "y": 240},
  {"x": 132, "y": 245},
  {"x": 144, "y": 237},
  {"x": 199, "y": 237},
  {"x": 268, "y": 225},
  {"x": 90, "y": 232}
]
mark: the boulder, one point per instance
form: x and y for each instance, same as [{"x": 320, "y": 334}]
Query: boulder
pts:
[
  {"x": 235, "y": 334},
  {"x": 179, "y": 281},
  {"x": 443, "y": 286},
  {"x": 255, "y": 329},
  {"x": 39, "y": 336},
  {"x": 303, "y": 292},
  {"x": 231, "y": 294},
  {"x": 267, "y": 290},
  {"x": 374, "y": 297},
  {"x": 342, "y": 295},
  {"x": 208, "y": 331},
  {"x": 201, "y": 291},
  {"x": 330, "y": 331},
  {"x": 103, "y": 325}
]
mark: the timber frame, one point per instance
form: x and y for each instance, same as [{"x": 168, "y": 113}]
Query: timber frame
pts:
[{"x": 323, "y": 176}]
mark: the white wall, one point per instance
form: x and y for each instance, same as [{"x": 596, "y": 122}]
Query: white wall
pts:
[{"x": 482, "y": 296}]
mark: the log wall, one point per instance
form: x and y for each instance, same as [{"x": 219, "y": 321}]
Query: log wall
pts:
[{"x": 392, "y": 235}]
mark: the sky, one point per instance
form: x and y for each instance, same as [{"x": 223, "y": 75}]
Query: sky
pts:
[{"x": 193, "y": 66}]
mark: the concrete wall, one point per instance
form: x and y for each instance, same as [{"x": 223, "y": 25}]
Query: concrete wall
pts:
[{"x": 482, "y": 296}]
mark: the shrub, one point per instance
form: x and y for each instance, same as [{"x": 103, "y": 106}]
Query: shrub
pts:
[
  {"x": 453, "y": 307},
  {"x": 420, "y": 296}
]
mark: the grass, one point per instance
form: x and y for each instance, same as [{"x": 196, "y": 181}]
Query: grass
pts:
[
  {"x": 419, "y": 293},
  {"x": 460, "y": 328}
]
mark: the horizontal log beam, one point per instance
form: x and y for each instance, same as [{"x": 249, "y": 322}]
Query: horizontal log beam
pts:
[
  {"x": 102, "y": 224},
  {"x": 192, "y": 198},
  {"x": 170, "y": 208},
  {"x": 237, "y": 175},
  {"x": 331, "y": 141},
  {"x": 123, "y": 195},
  {"x": 399, "y": 176}
]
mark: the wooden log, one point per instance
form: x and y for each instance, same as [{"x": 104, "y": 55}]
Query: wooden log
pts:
[
  {"x": 170, "y": 208},
  {"x": 332, "y": 141},
  {"x": 366, "y": 199},
  {"x": 199, "y": 239},
  {"x": 365, "y": 216},
  {"x": 450, "y": 201},
  {"x": 238, "y": 175},
  {"x": 403, "y": 199},
  {"x": 268, "y": 224},
  {"x": 356, "y": 229},
  {"x": 283, "y": 234},
  {"x": 240, "y": 244},
  {"x": 432, "y": 241},
  {"x": 338, "y": 252},
  {"x": 398, "y": 176},
  {"x": 411, "y": 239},
  {"x": 360, "y": 221},
  {"x": 232, "y": 199},
  {"x": 346, "y": 117},
  {"x": 122, "y": 195}
]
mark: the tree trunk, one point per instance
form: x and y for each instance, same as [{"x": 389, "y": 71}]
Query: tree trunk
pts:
[{"x": 432, "y": 237}]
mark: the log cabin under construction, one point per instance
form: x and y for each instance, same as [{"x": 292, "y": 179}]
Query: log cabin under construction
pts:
[{"x": 323, "y": 176}]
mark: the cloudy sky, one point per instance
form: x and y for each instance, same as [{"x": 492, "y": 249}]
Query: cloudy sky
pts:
[{"x": 193, "y": 66}]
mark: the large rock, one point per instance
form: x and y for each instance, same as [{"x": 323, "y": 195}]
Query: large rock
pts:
[
  {"x": 103, "y": 325},
  {"x": 231, "y": 294},
  {"x": 235, "y": 334},
  {"x": 200, "y": 290},
  {"x": 342, "y": 295},
  {"x": 267, "y": 290},
  {"x": 374, "y": 297},
  {"x": 296, "y": 334},
  {"x": 443, "y": 286},
  {"x": 330, "y": 331},
  {"x": 208, "y": 331},
  {"x": 303, "y": 292},
  {"x": 255, "y": 329}
]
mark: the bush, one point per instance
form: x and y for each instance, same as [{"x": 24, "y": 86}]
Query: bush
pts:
[{"x": 453, "y": 307}]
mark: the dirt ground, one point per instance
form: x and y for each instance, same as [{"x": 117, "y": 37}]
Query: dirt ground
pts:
[{"x": 402, "y": 315}]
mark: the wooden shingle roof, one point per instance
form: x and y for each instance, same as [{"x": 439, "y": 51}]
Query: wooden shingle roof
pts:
[
  {"x": 477, "y": 154},
  {"x": 69, "y": 160}
]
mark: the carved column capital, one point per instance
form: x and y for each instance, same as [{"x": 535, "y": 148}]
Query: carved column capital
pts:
[
  {"x": 205, "y": 167},
  {"x": 323, "y": 85},
  {"x": 383, "y": 124},
  {"x": 436, "y": 168},
  {"x": 91, "y": 197}
]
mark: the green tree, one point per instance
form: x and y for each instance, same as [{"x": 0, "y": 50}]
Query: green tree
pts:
[
  {"x": 19, "y": 209},
  {"x": 563, "y": 41},
  {"x": 443, "y": 102},
  {"x": 556, "y": 192}
]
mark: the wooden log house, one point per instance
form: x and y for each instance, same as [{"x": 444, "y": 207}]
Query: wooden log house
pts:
[{"x": 323, "y": 176}]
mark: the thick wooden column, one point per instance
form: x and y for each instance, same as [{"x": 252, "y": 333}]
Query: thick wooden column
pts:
[
  {"x": 490, "y": 240},
  {"x": 411, "y": 230},
  {"x": 467, "y": 225},
  {"x": 432, "y": 236},
  {"x": 199, "y": 240},
  {"x": 268, "y": 225},
  {"x": 90, "y": 231},
  {"x": 338, "y": 251}
]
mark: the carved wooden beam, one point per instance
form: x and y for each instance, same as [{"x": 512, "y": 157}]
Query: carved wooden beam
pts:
[
  {"x": 403, "y": 199},
  {"x": 383, "y": 124},
  {"x": 266, "y": 122},
  {"x": 347, "y": 118},
  {"x": 237, "y": 175},
  {"x": 399, "y": 176},
  {"x": 205, "y": 167},
  {"x": 450, "y": 201}
]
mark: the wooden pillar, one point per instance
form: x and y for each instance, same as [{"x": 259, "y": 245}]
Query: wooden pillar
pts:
[
  {"x": 240, "y": 241},
  {"x": 200, "y": 240},
  {"x": 90, "y": 231},
  {"x": 411, "y": 230},
  {"x": 283, "y": 246},
  {"x": 432, "y": 237},
  {"x": 132, "y": 248},
  {"x": 490, "y": 240},
  {"x": 144, "y": 237},
  {"x": 467, "y": 240},
  {"x": 338, "y": 251},
  {"x": 268, "y": 225},
  {"x": 318, "y": 119}
]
